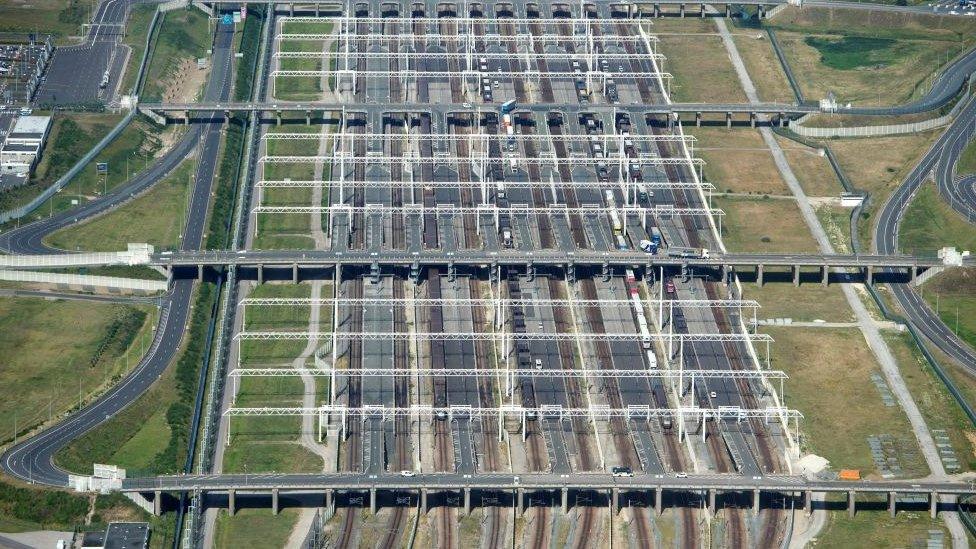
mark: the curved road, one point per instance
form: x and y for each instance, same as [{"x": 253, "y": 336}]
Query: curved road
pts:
[
  {"x": 33, "y": 459},
  {"x": 941, "y": 159}
]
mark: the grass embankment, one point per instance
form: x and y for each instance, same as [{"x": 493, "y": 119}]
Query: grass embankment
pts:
[
  {"x": 184, "y": 36},
  {"x": 878, "y": 166},
  {"x": 930, "y": 224},
  {"x": 764, "y": 225},
  {"x": 953, "y": 294},
  {"x": 136, "y": 32},
  {"x": 61, "y": 18},
  {"x": 696, "y": 57},
  {"x": 250, "y": 525},
  {"x": 811, "y": 168},
  {"x": 56, "y": 353},
  {"x": 270, "y": 443},
  {"x": 868, "y": 58},
  {"x": 737, "y": 161},
  {"x": 830, "y": 383},
  {"x": 967, "y": 161},
  {"x": 157, "y": 218}
]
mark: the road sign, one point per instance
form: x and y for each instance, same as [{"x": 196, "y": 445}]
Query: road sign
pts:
[
  {"x": 243, "y": 12},
  {"x": 228, "y": 19},
  {"x": 101, "y": 168}
]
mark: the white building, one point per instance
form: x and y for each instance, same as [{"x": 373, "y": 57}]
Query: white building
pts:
[{"x": 22, "y": 148}]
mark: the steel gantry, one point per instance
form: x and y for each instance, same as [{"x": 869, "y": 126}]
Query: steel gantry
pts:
[{"x": 519, "y": 413}]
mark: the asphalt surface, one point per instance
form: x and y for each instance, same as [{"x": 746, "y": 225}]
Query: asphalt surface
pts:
[
  {"x": 76, "y": 72},
  {"x": 33, "y": 459},
  {"x": 940, "y": 159}
]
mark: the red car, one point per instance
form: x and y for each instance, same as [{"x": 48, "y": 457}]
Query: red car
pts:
[{"x": 669, "y": 287}]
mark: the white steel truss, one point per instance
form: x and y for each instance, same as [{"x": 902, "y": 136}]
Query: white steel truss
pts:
[
  {"x": 402, "y": 55},
  {"x": 486, "y": 302},
  {"x": 498, "y": 372},
  {"x": 344, "y": 21},
  {"x": 634, "y": 412},
  {"x": 498, "y": 336},
  {"x": 382, "y": 159},
  {"x": 409, "y": 38},
  {"x": 490, "y": 209},
  {"x": 455, "y": 137},
  {"x": 413, "y": 74},
  {"x": 350, "y": 184}
]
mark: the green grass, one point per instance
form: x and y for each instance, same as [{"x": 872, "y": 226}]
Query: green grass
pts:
[
  {"x": 953, "y": 295},
  {"x": 853, "y": 52},
  {"x": 117, "y": 441},
  {"x": 183, "y": 35},
  {"x": 157, "y": 218},
  {"x": 62, "y": 18},
  {"x": 27, "y": 508},
  {"x": 256, "y": 528},
  {"x": 877, "y": 529},
  {"x": 57, "y": 352},
  {"x": 136, "y": 31},
  {"x": 967, "y": 162},
  {"x": 930, "y": 224}
]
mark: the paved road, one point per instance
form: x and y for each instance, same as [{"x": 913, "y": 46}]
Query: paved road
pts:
[
  {"x": 99, "y": 298},
  {"x": 32, "y": 460},
  {"x": 941, "y": 159}
]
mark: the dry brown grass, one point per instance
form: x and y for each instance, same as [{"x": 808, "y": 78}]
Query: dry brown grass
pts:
[
  {"x": 697, "y": 58},
  {"x": 764, "y": 225},
  {"x": 812, "y": 170},
  {"x": 764, "y": 67},
  {"x": 830, "y": 383},
  {"x": 807, "y": 303},
  {"x": 737, "y": 160}
]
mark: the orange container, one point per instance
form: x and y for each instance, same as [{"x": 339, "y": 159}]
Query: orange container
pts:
[{"x": 849, "y": 474}]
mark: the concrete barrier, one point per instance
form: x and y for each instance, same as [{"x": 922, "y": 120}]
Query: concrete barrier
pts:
[{"x": 85, "y": 281}]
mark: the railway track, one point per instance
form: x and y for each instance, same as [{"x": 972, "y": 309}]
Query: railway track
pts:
[{"x": 354, "y": 442}]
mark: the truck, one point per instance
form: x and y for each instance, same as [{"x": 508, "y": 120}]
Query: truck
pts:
[
  {"x": 678, "y": 251},
  {"x": 656, "y": 236},
  {"x": 648, "y": 246},
  {"x": 507, "y": 107}
]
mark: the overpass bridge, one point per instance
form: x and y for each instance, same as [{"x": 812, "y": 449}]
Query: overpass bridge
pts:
[
  {"x": 427, "y": 489},
  {"x": 296, "y": 260},
  {"x": 206, "y": 111}
]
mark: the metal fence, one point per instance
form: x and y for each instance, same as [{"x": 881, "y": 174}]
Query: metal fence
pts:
[
  {"x": 877, "y": 131},
  {"x": 92, "y": 281}
]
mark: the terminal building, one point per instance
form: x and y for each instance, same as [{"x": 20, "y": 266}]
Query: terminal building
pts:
[{"x": 22, "y": 149}]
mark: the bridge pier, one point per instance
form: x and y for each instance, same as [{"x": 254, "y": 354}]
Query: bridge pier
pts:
[
  {"x": 226, "y": 116},
  {"x": 796, "y": 275},
  {"x": 850, "y": 504},
  {"x": 200, "y": 272},
  {"x": 278, "y": 117},
  {"x": 157, "y": 503},
  {"x": 260, "y": 274},
  {"x": 756, "y": 497},
  {"x": 869, "y": 275},
  {"x": 520, "y": 501},
  {"x": 274, "y": 501},
  {"x": 372, "y": 500},
  {"x": 565, "y": 500},
  {"x": 308, "y": 118},
  {"x": 824, "y": 276},
  {"x": 752, "y": 119},
  {"x": 698, "y": 118},
  {"x": 701, "y": 7},
  {"x": 808, "y": 501},
  {"x": 423, "y": 501},
  {"x": 759, "y": 275},
  {"x": 892, "y": 497},
  {"x": 711, "y": 501},
  {"x": 328, "y": 498},
  {"x": 782, "y": 119},
  {"x": 657, "y": 10},
  {"x": 231, "y": 502},
  {"x": 681, "y": 9},
  {"x": 934, "y": 505},
  {"x": 728, "y": 11},
  {"x": 728, "y": 119},
  {"x": 186, "y": 118},
  {"x": 294, "y": 273},
  {"x": 614, "y": 500},
  {"x": 467, "y": 501},
  {"x": 659, "y": 500}
]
